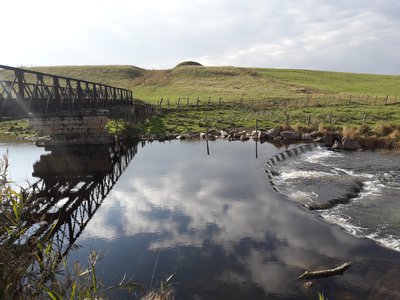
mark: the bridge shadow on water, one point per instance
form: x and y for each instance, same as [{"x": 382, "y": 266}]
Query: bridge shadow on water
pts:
[{"x": 73, "y": 183}]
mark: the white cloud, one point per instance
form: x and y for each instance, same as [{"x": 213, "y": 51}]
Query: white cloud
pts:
[{"x": 315, "y": 34}]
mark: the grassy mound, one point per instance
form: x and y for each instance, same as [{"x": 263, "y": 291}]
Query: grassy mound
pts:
[{"x": 189, "y": 63}]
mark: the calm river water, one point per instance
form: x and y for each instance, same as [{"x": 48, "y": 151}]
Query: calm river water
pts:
[{"x": 217, "y": 223}]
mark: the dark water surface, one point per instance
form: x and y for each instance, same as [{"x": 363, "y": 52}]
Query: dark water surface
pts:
[{"x": 216, "y": 222}]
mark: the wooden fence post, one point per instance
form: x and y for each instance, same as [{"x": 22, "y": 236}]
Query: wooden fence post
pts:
[
  {"x": 179, "y": 101},
  {"x": 209, "y": 100},
  {"x": 364, "y": 118},
  {"x": 187, "y": 103},
  {"x": 198, "y": 100},
  {"x": 330, "y": 119},
  {"x": 219, "y": 102},
  {"x": 386, "y": 99},
  {"x": 308, "y": 120}
]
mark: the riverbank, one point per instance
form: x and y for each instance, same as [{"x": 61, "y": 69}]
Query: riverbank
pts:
[{"x": 382, "y": 136}]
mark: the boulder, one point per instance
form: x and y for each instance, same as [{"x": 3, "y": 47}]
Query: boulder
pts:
[
  {"x": 337, "y": 145},
  {"x": 306, "y": 136},
  {"x": 224, "y": 134},
  {"x": 314, "y": 134},
  {"x": 350, "y": 144},
  {"x": 262, "y": 135},
  {"x": 272, "y": 133},
  {"x": 237, "y": 135},
  {"x": 244, "y": 137},
  {"x": 255, "y": 134},
  {"x": 290, "y": 135},
  {"x": 328, "y": 139}
]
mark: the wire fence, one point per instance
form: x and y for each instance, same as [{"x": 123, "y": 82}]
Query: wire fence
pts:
[
  {"x": 283, "y": 102},
  {"x": 311, "y": 110}
]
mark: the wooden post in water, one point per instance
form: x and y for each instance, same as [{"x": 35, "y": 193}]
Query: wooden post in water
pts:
[
  {"x": 208, "y": 148},
  {"x": 256, "y": 126}
]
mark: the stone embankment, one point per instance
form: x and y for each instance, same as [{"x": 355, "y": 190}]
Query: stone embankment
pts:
[{"x": 331, "y": 140}]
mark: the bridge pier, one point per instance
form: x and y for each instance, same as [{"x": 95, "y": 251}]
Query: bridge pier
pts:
[{"x": 83, "y": 128}]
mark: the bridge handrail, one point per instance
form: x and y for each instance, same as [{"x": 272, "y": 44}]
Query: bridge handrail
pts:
[{"x": 60, "y": 77}]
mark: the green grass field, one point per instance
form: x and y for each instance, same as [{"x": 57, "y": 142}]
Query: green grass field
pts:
[{"x": 232, "y": 83}]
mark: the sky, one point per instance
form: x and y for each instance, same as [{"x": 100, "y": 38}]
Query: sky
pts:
[{"x": 339, "y": 35}]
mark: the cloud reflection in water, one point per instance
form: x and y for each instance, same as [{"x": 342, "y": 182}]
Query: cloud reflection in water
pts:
[{"x": 216, "y": 219}]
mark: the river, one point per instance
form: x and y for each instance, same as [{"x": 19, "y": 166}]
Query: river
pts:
[{"x": 226, "y": 230}]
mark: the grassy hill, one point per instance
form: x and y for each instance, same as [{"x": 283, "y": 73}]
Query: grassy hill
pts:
[{"x": 232, "y": 83}]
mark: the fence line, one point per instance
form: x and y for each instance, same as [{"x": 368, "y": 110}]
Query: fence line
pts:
[
  {"x": 284, "y": 102},
  {"x": 279, "y": 110}
]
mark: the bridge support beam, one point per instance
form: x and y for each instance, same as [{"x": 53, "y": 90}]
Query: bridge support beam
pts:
[{"x": 72, "y": 128}]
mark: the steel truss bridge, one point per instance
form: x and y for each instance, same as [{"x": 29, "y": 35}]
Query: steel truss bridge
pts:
[{"x": 25, "y": 91}]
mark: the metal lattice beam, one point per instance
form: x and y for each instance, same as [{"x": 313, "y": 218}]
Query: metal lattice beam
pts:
[{"x": 26, "y": 91}]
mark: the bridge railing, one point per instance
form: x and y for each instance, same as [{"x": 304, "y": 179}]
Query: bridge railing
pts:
[{"x": 23, "y": 91}]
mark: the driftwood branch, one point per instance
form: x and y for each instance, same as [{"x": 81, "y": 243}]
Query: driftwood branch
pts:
[{"x": 325, "y": 273}]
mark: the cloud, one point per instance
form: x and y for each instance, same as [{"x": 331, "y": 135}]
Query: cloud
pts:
[{"x": 359, "y": 36}]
